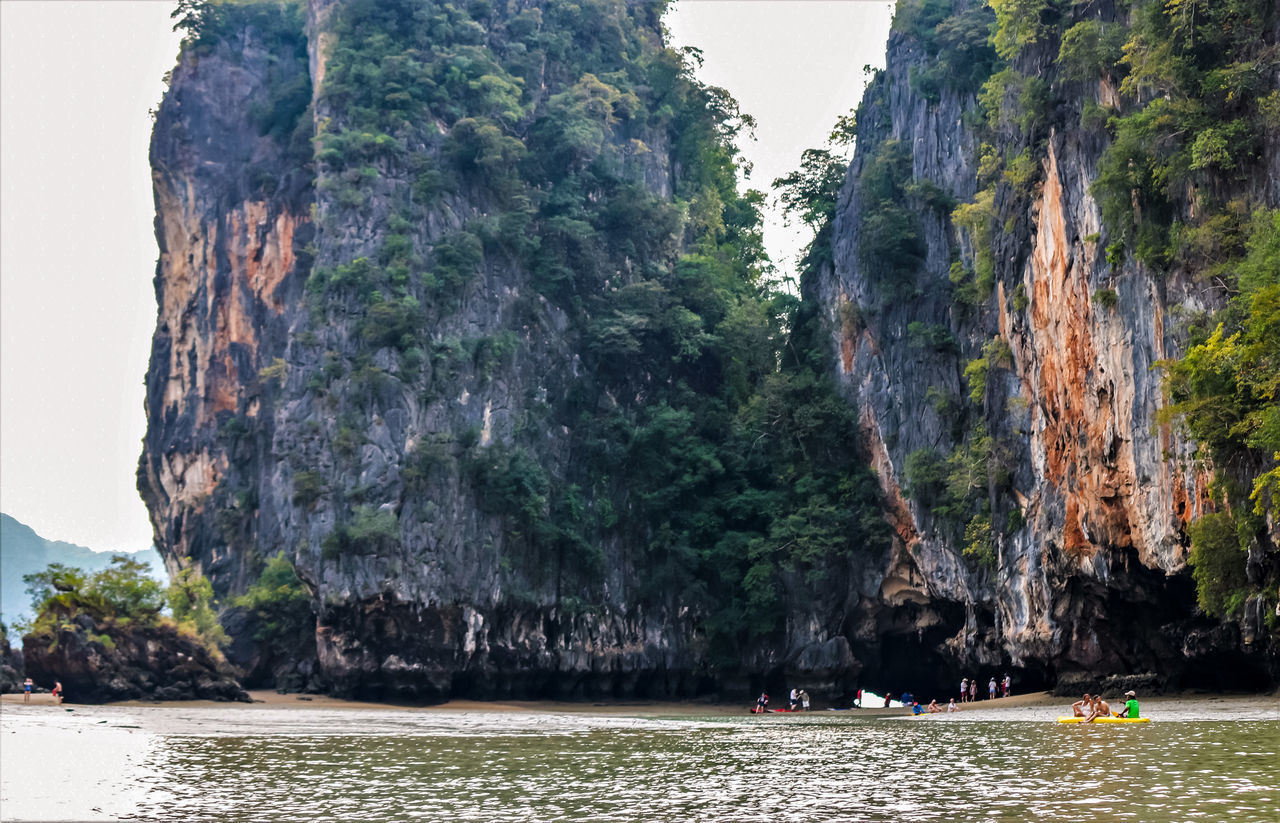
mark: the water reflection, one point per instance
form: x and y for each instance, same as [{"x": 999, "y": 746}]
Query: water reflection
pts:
[
  {"x": 233, "y": 764},
  {"x": 475, "y": 767}
]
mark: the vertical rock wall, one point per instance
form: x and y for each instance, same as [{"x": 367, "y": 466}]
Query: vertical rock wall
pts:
[
  {"x": 1090, "y": 574},
  {"x": 232, "y": 223},
  {"x": 282, "y": 421},
  {"x": 277, "y": 426}
]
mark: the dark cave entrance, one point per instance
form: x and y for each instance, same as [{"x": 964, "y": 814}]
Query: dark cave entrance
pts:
[{"x": 911, "y": 655}]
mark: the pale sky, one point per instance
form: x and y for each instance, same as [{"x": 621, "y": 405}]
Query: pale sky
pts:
[
  {"x": 77, "y": 251},
  {"x": 794, "y": 65},
  {"x": 77, "y": 254}
]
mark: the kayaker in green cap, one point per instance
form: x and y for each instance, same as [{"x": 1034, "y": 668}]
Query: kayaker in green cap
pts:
[{"x": 1130, "y": 709}]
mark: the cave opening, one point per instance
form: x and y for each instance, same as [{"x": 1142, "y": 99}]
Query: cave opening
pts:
[{"x": 912, "y": 655}]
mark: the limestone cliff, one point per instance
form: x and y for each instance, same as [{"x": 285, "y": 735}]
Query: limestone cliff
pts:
[
  {"x": 454, "y": 332},
  {"x": 462, "y": 319},
  {"x": 104, "y": 661},
  {"x": 233, "y": 224},
  {"x": 991, "y": 351}
]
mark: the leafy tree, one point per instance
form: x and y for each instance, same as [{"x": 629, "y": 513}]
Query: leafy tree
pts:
[
  {"x": 123, "y": 594},
  {"x": 190, "y": 597},
  {"x": 811, "y": 191},
  {"x": 281, "y": 605},
  {"x": 1217, "y": 564},
  {"x": 1090, "y": 49}
]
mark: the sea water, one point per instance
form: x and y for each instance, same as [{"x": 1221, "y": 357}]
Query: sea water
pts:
[{"x": 1206, "y": 760}]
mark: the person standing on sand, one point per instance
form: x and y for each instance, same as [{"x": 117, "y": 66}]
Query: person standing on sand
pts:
[
  {"x": 804, "y": 700},
  {"x": 991, "y": 688},
  {"x": 973, "y": 690},
  {"x": 964, "y": 689},
  {"x": 1081, "y": 707},
  {"x": 57, "y": 690},
  {"x": 26, "y": 690},
  {"x": 1008, "y": 684},
  {"x": 795, "y": 699},
  {"x": 1130, "y": 706}
]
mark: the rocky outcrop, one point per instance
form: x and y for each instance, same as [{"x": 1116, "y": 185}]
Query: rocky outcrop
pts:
[
  {"x": 290, "y": 413},
  {"x": 377, "y": 355},
  {"x": 288, "y": 665},
  {"x": 11, "y": 665},
  {"x": 1089, "y": 494},
  {"x": 232, "y": 223},
  {"x": 104, "y": 662}
]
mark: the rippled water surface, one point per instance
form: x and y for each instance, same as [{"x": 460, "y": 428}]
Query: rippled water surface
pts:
[{"x": 281, "y": 765}]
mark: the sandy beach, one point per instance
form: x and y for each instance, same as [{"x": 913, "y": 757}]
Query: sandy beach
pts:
[{"x": 268, "y": 699}]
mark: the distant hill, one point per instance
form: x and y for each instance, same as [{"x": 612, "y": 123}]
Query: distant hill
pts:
[{"x": 22, "y": 551}]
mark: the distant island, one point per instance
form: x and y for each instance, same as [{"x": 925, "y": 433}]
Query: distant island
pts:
[{"x": 23, "y": 552}]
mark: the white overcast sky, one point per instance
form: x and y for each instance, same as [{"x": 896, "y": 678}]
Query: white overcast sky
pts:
[{"x": 77, "y": 251}]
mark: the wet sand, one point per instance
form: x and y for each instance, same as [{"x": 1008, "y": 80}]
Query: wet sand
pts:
[{"x": 267, "y": 699}]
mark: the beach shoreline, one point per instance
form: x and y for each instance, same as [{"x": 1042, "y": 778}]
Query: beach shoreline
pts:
[{"x": 269, "y": 699}]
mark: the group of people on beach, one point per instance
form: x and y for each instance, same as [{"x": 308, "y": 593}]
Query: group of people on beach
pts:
[
  {"x": 968, "y": 694},
  {"x": 799, "y": 698},
  {"x": 969, "y": 688},
  {"x": 1091, "y": 707},
  {"x": 29, "y": 684},
  {"x": 799, "y": 702}
]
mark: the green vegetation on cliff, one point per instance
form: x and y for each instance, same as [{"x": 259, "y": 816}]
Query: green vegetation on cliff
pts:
[
  {"x": 1176, "y": 185},
  {"x": 119, "y": 599},
  {"x": 559, "y": 146},
  {"x": 1226, "y": 390},
  {"x": 1184, "y": 96},
  {"x": 282, "y": 608}
]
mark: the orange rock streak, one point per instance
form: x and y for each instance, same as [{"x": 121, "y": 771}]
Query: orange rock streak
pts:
[
  {"x": 207, "y": 314},
  {"x": 1076, "y": 407}
]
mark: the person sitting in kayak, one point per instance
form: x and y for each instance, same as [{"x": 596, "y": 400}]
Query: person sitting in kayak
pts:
[
  {"x": 1130, "y": 709},
  {"x": 1081, "y": 707},
  {"x": 1101, "y": 708},
  {"x": 762, "y": 704}
]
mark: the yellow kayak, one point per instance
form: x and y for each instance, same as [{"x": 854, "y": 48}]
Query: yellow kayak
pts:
[{"x": 1106, "y": 720}]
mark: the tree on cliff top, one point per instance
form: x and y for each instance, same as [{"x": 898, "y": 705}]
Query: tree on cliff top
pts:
[{"x": 121, "y": 596}]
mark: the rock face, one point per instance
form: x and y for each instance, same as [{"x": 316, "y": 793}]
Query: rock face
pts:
[
  {"x": 101, "y": 663},
  {"x": 287, "y": 411},
  {"x": 232, "y": 223},
  {"x": 313, "y": 392},
  {"x": 11, "y": 666},
  {"x": 1090, "y": 494}
]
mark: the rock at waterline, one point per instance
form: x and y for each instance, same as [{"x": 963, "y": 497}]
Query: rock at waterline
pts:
[{"x": 99, "y": 663}]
